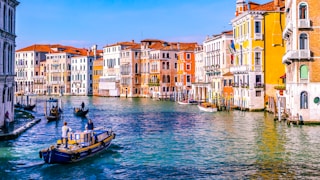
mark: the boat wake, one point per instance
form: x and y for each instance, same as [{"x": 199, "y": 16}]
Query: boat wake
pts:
[{"x": 24, "y": 164}]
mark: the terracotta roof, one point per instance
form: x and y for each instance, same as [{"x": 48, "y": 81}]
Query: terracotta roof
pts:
[
  {"x": 153, "y": 40},
  {"x": 125, "y": 43},
  {"x": 166, "y": 46},
  {"x": 57, "y": 48},
  {"x": 266, "y": 7},
  {"x": 227, "y": 32},
  {"x": 39, "y": 47},
  {"x": 228, "y": 74},
  {"x": 135, "y": 46}
]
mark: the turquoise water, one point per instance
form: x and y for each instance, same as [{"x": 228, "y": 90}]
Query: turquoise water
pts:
[{"x": 159, "y": 139}]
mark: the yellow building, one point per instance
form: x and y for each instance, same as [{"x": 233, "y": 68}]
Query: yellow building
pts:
[{"x": 258, "y": 50}]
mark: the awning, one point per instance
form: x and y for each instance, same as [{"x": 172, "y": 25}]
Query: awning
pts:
[{"x": 283, "y": 76}]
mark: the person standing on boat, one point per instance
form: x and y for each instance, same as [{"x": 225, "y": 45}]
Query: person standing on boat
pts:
[
  {"x": 65, "y": 129},
  {"x": 82, "y": 105},
  {"x": 89, "y": 125}
]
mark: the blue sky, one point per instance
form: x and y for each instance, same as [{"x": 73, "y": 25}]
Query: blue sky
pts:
[{"x": 82, "y": 23}]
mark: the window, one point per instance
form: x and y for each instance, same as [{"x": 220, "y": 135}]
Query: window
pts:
[
  {"x": 303, "y": 11},
  {"x": 303, "y": 72},
  {"x": 188, "y": 56},
  {"x": 257, "y": 28},
  {"x": 304, "y": 100},
  {"x": 303, "y": 41},
  {"x": 188, "y": 66},
  {"x": 257, "y": 58},
  {"x": 258, "y": 93},
  {"x": 188, "y": 78}
]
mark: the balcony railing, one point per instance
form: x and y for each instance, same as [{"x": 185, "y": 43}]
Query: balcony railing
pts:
[
  {"x": 235, "y": 85},
  {"x": 245, "y": 85},
  {"x": 258, "y": 85},
  {"x": 296, "y": 55},
  {"x": 304, "y": 23},
  {"x": 287, "y": 30},
  {"x": 239, "y": 69},
  {"x": 258, "y": 36}
]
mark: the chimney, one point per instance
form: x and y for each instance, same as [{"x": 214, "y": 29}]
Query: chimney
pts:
[
  {"x": 94, "y": 49},
  {"x": 276, "y": 3}
]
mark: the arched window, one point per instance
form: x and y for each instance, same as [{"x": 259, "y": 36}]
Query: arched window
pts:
[
  {"x": 303, "y": 10},
  {"x": 304, "y": 100},
  {"x": 164, "y": 79},
  {"x": 168, "y": 79},
  {"x": 303, "y": 72},
  {"x": 303, "y": 41}
]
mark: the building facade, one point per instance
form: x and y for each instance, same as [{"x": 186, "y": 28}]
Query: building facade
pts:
[
  {"x": 27, "y": 68},
  {"x": 185, "y": 73},
  {"x": 97, "y": 71},
  {"x": 302, "y": 58},
  {"x": 7, "y": 62},
  {"x": 110, "y": 81},
  {"x": 130, "y": 71},
  {"x": 259, "y": 48}
]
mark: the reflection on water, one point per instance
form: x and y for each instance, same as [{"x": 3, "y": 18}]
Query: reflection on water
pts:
[{"x": 158, "y": 139}]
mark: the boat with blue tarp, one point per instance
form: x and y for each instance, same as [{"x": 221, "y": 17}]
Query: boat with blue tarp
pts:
[{"x": 80, "y": 146}]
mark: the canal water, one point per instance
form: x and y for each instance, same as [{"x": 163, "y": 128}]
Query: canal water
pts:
[{"x": 162, "y": 139}]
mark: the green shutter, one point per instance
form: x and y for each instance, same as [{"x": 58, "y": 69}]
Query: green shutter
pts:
[{"x": 303, "y": 72}]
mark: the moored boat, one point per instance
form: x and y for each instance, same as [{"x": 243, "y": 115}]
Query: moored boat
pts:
[
  {"x": 80, "y": 146},
  {"x": 207, "y": 107},
  {"x": 29, "y": 107},
  {"x": 188, "y": 102}
]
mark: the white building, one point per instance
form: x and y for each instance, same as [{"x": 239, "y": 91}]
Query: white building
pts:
[
  {"x": 212, "y": 62},
  {"x": 109, "y": 82},
  {"x": 7, "y": 49},
  {"x": 27, "y": 68},
  {"x": 81, "y": 73}
]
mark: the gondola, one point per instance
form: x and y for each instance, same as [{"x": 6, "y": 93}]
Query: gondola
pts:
[
  {"x": 80, "y": 112},
  {"x": 29, "y": 107}
]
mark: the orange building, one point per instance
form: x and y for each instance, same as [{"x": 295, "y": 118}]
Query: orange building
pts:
[
  {"x": 185, "y": 71},
  {"x": 97, "y": 70}
]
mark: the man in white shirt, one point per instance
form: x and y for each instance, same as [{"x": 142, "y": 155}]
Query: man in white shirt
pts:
[{"x": 65, "y": 130}]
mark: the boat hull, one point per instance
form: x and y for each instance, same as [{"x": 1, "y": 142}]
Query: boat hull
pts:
[
  {"x": 29, "y": 107},
  {"x": 81, "y": 113},
  {"x": 207, "y": 109},
  {"x": 58, "y": 155}
]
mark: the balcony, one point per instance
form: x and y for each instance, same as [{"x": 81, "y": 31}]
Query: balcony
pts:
[
  {"x": 258, "y": 68},
  {"x": 245, "y": 85},
  {"x": 287, "y": 30},
  {"x": 258, "y": 85},
  {"x": 239, "y": 69},
  {"x": 304, "y": 23},
  {"x": 296, "y": 55},
  {"x": 235, "y": 85},
  {"x": 258, "y": 36}
]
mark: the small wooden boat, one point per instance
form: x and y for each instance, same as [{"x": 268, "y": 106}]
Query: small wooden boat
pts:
[
  {"x": 80, "y": 146},
  {"x": 207, "y": 107},
  {"x": 188, "y": 102},
  {"x": 80, "y": 112},
  {"x": 29, "y": 107},
  {"x": 52, "y": 109}
]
